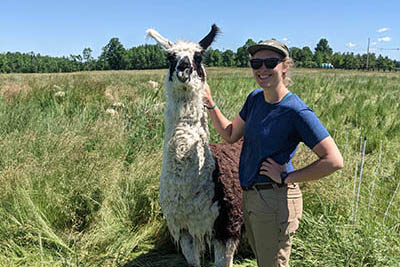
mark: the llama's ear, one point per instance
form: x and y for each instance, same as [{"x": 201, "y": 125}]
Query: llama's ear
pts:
[
  {"x": 206, "y": 41},
  {"x": 162, "y": 41}
]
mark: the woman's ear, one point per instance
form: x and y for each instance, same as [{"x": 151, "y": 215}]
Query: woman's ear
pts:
[{"x": 285, "y": 66}]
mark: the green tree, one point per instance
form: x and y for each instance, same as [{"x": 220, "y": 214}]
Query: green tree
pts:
[
  {"x": 358, "y": 61},
  {"x": 318, "y": 58},
  {"x": 228, "y": 58},
  {"x": 389, "y": 63},
  {"x": 350, "y": 61},
  {"x": 102, "y": 63},
  {"x": 307, "y": 57},
  {"x": 75, "y": 60},
  {"x": 363, "y": 59},
  {"x": 242, "y": 56},
  {"x": 380, "y": 63},
  {"x": 323, "y": 51},
  {"x": 295, "y": 54},
  {"x": 114, "y": 54},
  {"x": 337, "y": 60},
  {"x": 155, "y": 57},
  {"x": 137, "y": 58},
  {"x": 87, "y": 56},
  {"x": 213, "y": 58},
  {"x": 3, "y": 64}
]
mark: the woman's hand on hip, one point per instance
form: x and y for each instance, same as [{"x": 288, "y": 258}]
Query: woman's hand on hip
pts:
[{"x": 272, "y": 169}]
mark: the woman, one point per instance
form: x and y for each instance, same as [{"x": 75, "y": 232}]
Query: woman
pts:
[{"x": 273, "y": 121}]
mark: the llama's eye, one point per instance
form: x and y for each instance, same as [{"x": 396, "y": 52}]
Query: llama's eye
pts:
[
  {"x": 171, "y": 58},
  {"x": 197, "y": 58}
]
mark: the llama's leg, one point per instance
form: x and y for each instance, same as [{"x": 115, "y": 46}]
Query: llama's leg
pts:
[
  {"x": 223, "y": 253},
  {"x": 188, "y": 247}
]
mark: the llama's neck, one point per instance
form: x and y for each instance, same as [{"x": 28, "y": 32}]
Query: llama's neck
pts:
[
  {"x": 184, "y": 106},
  {"x": 185, "y": 109}
]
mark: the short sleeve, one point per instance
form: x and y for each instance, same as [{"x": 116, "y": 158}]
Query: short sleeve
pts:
[
  {"x": 245, "y": 109},
  {"x": 310, "y": 128}
]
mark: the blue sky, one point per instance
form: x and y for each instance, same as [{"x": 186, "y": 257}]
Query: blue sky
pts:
[{"x": 61, "y": 28}]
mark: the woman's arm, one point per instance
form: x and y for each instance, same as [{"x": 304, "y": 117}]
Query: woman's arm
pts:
[
  {"x": 330, "y": 160},
  {"x": 229, "y": 131}
]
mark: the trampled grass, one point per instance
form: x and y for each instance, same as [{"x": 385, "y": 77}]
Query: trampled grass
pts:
[{"x": 80, "y": 185}]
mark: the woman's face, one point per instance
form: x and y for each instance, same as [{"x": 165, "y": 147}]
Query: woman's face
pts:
[{"x": 268, "y": 78}]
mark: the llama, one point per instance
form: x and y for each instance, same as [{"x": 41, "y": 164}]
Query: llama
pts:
[{"x": 202, "y": 206}]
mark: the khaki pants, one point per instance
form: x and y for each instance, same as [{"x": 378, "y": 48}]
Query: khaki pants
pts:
[{"x": 271, "y": 217}]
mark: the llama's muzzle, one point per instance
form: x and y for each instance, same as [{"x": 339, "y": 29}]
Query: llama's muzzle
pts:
[
  {"x": 184, "y": 76},
  {"x": 184, "y": 70}
]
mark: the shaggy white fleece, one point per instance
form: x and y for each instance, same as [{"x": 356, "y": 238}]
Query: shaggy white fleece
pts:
[
  {"x": 186, "y": 186},
  {"x": 186, "y": 183}
]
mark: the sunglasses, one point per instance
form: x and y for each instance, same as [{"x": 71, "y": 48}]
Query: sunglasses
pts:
[{"x": 270, "y": 63}]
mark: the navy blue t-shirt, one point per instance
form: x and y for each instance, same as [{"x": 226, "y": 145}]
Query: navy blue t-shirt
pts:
[{"x": 275, "y": 130}]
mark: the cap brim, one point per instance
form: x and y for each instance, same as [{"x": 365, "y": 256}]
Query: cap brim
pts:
[{"x": 255, "y": 48}]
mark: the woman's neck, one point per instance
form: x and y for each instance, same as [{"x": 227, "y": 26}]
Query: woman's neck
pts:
[{"x": 275, "y": 95}]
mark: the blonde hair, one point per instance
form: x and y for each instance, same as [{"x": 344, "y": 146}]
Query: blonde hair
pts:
[{"x": 287, "y": 81}]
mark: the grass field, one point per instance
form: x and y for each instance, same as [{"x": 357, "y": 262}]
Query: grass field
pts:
[{"x": 79, "y": 172}]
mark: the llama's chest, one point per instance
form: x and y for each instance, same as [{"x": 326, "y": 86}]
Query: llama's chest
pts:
[
  {"x": 186, "y": 184},
  {"x": 186, "y": 149},
  {"x": 187, "y": 159},
  {"x": 186, "y": 135}
]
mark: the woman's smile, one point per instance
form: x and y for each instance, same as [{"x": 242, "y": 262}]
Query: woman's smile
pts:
[{"x": 264, "y": 76}]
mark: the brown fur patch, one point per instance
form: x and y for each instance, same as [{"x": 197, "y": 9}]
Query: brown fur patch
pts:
[{"x": 228, "y": 192}]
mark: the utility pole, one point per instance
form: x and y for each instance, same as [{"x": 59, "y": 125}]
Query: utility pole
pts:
[{"x": 368, "y": 54}]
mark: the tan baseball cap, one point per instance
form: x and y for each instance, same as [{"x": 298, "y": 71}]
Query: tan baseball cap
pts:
[{"x": 271, "y": 44}]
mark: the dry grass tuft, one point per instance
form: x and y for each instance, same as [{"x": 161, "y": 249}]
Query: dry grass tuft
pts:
[{"x": 12, "y": 89}]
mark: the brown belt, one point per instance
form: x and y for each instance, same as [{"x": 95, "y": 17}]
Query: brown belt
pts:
[{"x": 262, "y": 186}]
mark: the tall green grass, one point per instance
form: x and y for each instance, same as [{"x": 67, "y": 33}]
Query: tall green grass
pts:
[{"x": 80, "y": 185}]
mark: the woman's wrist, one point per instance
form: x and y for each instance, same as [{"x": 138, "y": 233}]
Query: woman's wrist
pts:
[
  {"x": 209, "y": 104},
  {"x": 211, "y": 107},
  {"x": 289, "y": 178}
]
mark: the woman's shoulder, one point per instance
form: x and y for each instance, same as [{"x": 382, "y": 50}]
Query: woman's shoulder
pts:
[
  {"x": 295, "y": 103},
  {"x": 256, "y": 92}
]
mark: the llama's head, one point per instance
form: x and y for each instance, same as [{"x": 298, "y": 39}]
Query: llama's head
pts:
[{"x": 184, "y": 58}]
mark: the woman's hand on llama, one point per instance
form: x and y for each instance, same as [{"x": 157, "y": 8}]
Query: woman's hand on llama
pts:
[
  {"x": 207, "y": 97},
  {"x": 272, "y": 169}
]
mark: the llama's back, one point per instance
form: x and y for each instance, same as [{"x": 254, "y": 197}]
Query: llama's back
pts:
[{"x": 228, "y": 192}]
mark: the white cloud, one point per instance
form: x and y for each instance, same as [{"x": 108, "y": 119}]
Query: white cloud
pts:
[
  {"x": 373, "y": 43},
  {"x": 383, "y": 29},
  {"x": 384, "y": 39},
  {"x": 351, "y": 45},
  {"x": 286, "y": 40}
]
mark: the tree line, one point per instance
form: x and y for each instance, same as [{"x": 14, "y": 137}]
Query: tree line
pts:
[{"x": 115, "y": 57}]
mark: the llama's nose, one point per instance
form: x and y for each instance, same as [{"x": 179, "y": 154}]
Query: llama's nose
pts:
[
  {"x": 184, "y": 69},
  {"x": 184, "y": 64}
]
